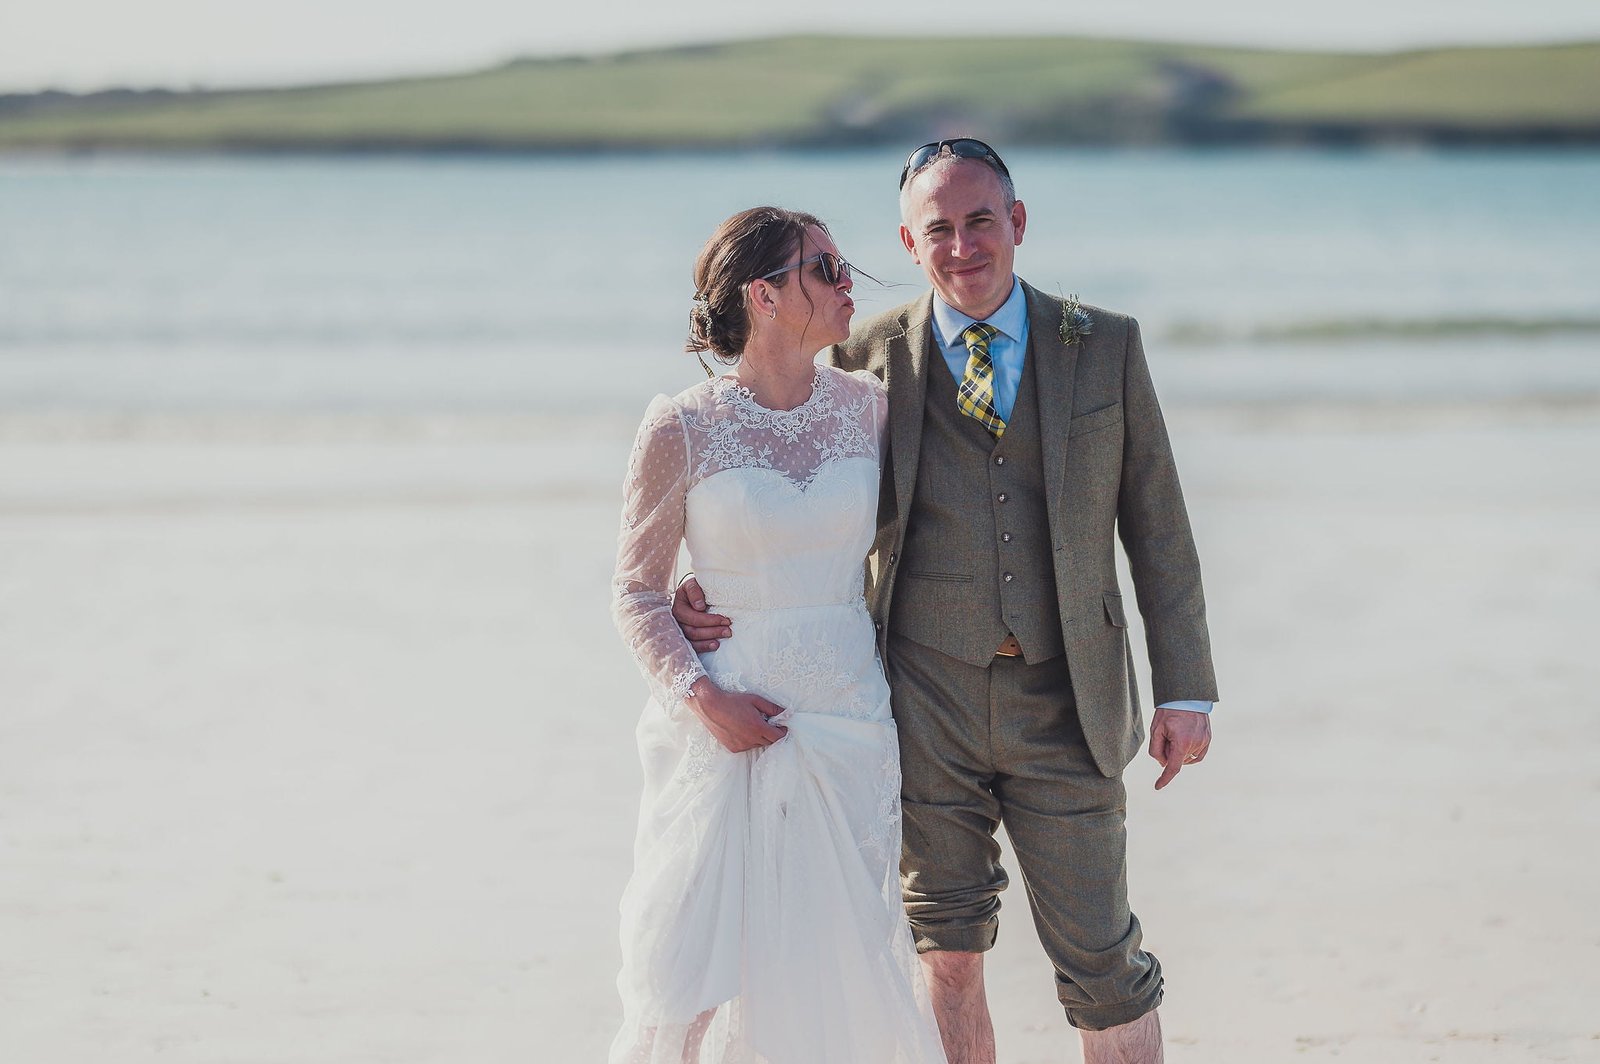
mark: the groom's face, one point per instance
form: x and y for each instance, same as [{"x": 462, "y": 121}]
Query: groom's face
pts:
[{"x": 959, "y": 229}]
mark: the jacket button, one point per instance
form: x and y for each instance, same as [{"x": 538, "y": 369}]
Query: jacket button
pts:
[{"x": 892, "y": 556}]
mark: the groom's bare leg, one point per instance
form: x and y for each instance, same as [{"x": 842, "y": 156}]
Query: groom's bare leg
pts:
[
  {"x": 955, "y": 982},
  {"x": 1138, "y": 1042}
]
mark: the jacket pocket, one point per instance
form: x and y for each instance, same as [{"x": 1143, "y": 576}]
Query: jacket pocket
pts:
[
  {"x": 943, "y": 578},
  {"x": 1114, "y": 614},
  {"x": 1095, "y": 420}
]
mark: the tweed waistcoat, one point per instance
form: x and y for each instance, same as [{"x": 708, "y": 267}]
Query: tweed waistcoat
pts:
[{"x": 976, "y": 563}]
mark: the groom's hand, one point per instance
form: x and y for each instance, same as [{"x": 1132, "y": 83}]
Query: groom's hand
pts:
[
  {"x": 1178, "y": 737},
  {"x": 700, "y": 628}
]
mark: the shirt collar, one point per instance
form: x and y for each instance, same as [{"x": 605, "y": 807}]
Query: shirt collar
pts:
[{"x": 1010, "y": 319}]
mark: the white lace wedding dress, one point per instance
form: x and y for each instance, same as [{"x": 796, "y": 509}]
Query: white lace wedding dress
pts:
[{"x": 763, "y": 921}]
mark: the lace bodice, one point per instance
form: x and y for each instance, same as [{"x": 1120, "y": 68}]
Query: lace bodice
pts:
[{"x": 790, "y": 529}]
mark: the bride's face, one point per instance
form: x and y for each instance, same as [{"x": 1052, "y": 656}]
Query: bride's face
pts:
[{"x": 816, "y": 308}]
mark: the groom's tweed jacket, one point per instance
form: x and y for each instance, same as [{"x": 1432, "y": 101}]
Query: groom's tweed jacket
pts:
[{"x": 1106, "y": 468}]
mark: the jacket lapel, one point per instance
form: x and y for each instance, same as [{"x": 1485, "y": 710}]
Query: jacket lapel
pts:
[
  {"x": 1054, "y": 367},
  {"x": 908, "y": 394}
]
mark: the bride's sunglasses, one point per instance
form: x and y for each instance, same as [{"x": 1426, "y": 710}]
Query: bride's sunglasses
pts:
[{"x": 830, "y": 267}]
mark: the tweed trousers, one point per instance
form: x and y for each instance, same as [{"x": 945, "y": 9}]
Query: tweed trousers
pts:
[{"x": 1001, "y": 744}]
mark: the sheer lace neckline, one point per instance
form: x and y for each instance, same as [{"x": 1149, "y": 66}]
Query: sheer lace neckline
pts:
[
  {"x": 729, "y": 389},
  {"x": 786, "y": 424}
]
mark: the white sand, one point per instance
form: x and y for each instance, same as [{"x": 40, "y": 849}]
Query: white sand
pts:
[{"x": 315, "y": 745}]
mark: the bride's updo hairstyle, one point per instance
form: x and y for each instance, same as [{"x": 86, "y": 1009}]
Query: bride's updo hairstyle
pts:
[{"x": 746, "y": 247}]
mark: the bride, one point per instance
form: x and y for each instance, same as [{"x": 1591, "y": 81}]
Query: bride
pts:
[{"x": 763, "y": 921}]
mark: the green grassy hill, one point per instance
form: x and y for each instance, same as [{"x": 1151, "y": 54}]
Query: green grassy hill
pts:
[{"x": 826, "y": 90}]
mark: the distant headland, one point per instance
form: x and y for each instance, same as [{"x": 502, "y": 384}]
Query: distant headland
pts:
[{"x": 842, "y": 92}]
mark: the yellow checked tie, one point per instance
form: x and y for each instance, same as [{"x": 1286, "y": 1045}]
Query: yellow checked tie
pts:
[{"x": 975, "y": 396}]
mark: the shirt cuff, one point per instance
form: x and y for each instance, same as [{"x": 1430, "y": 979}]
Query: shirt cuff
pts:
[{"x": 1193, "y": 706}]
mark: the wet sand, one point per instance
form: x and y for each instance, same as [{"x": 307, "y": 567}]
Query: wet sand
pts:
[{"x": 317, "y": 743}]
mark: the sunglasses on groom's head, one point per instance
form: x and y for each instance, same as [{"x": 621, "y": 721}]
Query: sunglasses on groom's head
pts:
[{"x": 960, "y": 147}]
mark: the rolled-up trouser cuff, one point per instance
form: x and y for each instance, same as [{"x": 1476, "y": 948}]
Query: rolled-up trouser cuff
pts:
[
  {"x": 1100, "y": 1017},
  {"x": 973, "y": 938}
]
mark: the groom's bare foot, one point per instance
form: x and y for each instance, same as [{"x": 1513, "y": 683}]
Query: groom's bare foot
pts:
[
  {"x": 955, "y": 983},
  {"x": 1138, "y": 1042}
]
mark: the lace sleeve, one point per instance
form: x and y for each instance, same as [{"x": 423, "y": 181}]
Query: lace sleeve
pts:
[{"x": 647, "y": 556}]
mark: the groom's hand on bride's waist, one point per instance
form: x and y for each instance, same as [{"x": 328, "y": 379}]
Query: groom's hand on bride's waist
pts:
[{"x": 701, "y": 629}]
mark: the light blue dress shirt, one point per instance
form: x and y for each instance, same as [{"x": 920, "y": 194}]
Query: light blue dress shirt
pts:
[{"x": 1007, "y": 351}]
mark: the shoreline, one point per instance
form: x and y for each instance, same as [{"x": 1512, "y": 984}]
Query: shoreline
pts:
[{"x": 223, "y": 425}]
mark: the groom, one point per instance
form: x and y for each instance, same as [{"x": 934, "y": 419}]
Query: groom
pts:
[{"x": 1023, "y": 430}]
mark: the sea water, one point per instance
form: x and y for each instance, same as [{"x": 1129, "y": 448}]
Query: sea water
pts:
[{"x": 525, "y": 283}]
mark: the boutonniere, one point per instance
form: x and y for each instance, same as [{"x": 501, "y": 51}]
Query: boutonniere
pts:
[{"x": 1075, "y": 321}]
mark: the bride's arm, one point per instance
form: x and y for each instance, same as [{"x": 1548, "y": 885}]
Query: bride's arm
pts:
[
  {"x": 641, "y": 603},
  {"x": 647, "y": 555}
]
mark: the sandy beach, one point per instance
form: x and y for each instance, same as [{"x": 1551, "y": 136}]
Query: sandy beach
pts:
[{"x": 316, "y": 743}]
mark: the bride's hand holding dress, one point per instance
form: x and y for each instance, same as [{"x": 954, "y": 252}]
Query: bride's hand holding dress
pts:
[{"x": 738, "y": 720}]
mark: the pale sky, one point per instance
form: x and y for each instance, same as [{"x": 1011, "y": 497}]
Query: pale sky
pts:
[{"x": 90, "y": 44}]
